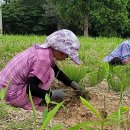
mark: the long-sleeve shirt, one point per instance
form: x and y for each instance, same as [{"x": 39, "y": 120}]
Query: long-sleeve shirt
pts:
[
  {"x": 122, "y": 51},
  {"x": 32, "y": 62}
]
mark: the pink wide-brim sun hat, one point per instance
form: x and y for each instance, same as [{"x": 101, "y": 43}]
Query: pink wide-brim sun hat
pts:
[{"x": 65, "y": 41}]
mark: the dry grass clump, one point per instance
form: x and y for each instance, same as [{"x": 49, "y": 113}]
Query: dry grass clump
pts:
[{"x": 15, "y": 118}]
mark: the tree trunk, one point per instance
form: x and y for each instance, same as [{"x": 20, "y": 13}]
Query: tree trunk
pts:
[
  {"x": 59, "y": 24},
  {"x": 1, "y": 29},
  {"x": 86, "y": 25}
]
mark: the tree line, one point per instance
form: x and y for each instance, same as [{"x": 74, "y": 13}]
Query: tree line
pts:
[{"x": 84, "y": 17}]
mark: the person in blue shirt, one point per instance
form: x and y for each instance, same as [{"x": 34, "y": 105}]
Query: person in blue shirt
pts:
[{"x": 120, "y": 55}]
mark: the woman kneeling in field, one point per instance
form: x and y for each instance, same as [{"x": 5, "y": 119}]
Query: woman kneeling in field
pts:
[
  {"x": 35, "y": 68},
  {"x": 120, "y": 55}
]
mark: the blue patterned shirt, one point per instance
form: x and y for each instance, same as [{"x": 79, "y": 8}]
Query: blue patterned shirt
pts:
[{"x": 122, "y": 51}]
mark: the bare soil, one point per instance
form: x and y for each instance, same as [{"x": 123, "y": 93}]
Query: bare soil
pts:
[{"x": 76, "y": 112}]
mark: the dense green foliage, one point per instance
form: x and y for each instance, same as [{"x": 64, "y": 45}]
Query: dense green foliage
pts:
[
  {"x": 26, "y": 17},
  {"x": 95, "y": 17},
  {"x": 111, "y": 19}
]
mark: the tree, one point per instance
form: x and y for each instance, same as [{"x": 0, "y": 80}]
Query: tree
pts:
[
  {"x": 52, "y": 12},
  {"x": 72, "y": 11},
  {"x": 91, "y": 17},
  {"x": 99, "y": 17},
  {"x": 24, "y": 17},
  {"x": 111, "y": 19}
]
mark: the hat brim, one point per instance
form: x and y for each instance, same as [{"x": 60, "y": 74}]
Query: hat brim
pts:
[
  {"x": 76, "y": 60},
  {"x": 43, "y": 45}
]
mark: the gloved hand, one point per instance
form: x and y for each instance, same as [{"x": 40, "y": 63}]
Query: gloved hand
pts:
[
  {"x": 58, "y": 94},
  {"x": 75, "y": 86},
  {"x": 85, "y": 94},
  {"x": 79, "y": 91}
]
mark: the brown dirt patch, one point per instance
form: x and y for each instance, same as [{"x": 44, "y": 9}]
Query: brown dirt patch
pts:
[{"x": 76, "y": 112}]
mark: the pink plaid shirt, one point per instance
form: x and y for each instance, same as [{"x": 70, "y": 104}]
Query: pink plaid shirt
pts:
[{"x": 34, "y": 61}]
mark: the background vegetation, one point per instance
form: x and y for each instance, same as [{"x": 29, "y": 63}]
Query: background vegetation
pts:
[{"x": 84, "y": 17}]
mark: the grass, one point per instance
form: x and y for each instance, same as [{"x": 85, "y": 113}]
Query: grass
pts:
[
  {"x": 10, "y": 45},
  {"x": 89, "y": 53},
  {"x": 9, "y": 120}
]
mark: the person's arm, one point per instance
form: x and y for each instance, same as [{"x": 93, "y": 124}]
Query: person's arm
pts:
[
  {"x": 33, "y": 83},
  {"x": 116, "y": 61},
  {"x": 61, "y": 76},
  {"x": 65, "y": 79}
]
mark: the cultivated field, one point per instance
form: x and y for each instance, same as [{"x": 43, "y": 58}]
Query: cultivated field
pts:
[{"x": 107, "y": 104}]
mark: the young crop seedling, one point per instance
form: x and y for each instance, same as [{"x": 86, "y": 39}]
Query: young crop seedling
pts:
[
  {"x": 98, "y": 75},
  {"x": 47, "y": 115},
  {"x": 74, "y": 72},
  {"x": 118, "y": 77},
  {"x": 102, "y": 121}
]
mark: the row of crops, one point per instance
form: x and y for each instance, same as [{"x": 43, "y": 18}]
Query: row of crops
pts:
[{"x": 91, "y": 54}]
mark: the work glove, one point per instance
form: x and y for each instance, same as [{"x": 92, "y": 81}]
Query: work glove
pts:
[
  {"x": 58, "y": 94},
  {"x": 79, "y": 91},
  {"x": 75, "y": 85},
  {"x": 85, "y": 94}
]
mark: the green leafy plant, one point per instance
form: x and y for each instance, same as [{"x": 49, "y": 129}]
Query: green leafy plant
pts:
[
  {"x": 91, "y": 79},
  {"x": 102, "y": 121},
  {"x": 75, "y": 72},
  {"x": 103, "y": 71},
  {"x": 117, "y": 78},
  {"x": 98, "y": 75},
  {"x": 46, "y": 115},
  {"x": 3, "y": 110}
]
